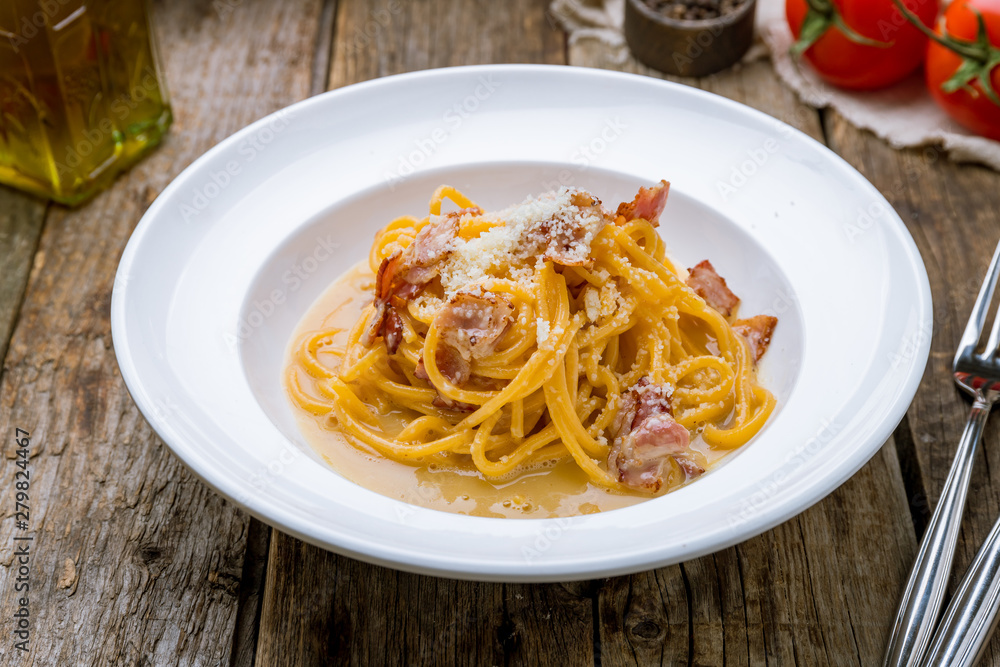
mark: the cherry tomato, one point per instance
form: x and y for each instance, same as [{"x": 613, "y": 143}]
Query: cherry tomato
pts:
[
  {"x": 844, "y": 60},
  {"x": 972, "y": 108}
]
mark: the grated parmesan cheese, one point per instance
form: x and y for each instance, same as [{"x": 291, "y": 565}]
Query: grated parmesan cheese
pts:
[
  {"x": 526, "y": 231},
  {"x": 543, "y": 330},
  {"x": 592, "y": 303}
]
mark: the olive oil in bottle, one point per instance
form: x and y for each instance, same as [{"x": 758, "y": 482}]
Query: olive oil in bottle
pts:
[{"x": 81, "y": 94}]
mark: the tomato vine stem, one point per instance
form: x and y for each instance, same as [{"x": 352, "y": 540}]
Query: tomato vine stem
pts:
[
  {"x": 821, "y": 15},
  {"x": 979, "y": 57}
]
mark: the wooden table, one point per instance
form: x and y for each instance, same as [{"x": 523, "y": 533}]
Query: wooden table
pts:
[{"x": 137, "y": 562}]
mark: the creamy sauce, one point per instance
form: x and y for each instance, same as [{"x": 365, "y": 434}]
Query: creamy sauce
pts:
[{"x": 558, "y": 490}]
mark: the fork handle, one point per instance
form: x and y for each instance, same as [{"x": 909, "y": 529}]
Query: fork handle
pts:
[
  {"x": 918, "y": 610},
  {"x": 972, "y": 615}
]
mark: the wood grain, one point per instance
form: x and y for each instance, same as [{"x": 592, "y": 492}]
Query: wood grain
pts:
[
  {"x": 383, "y": 37},
  {"x": 251, "y": 596},
  {"x": 789, "y": 596},
  {"x": 135, "y": 561},
  {"x": 951, "y": 211},
  {"x": 21, "y": 218},
  {"x": 321, "y": 608},
  {"x": 333, "y": 609}
]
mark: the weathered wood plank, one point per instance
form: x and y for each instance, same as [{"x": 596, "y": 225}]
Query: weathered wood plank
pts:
[
  {"x": 251, "y": 598},
  {"x": 21, "y": 218},
  {"x": 790, "y": 595},
  {"x": 645, "y": 620},
  {"x": 385, "y": 37},
  {"x": 951, "y": 211},
  {"x": 135, "y": 561},
  {"x": 335, "y": 610},
  {"x": 323, "y": 51},
  {"x": 323, "y": 608}
]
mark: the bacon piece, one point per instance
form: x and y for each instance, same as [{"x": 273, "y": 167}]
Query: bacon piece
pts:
[
  {"x": 433, "y": 243},
  {"x": 420, "y": 372},
  {"x": 453, "y": 367},
  {"x": 648, "y": 204},
  {"x": 403, "y": 294},
  {"x": 404, "y": 274},
  {"x": 647, "y": 438},
  {"x": 392, "y": 330},
  {"x": 450, "y": 363},
  {"x": 384, "y": 280},
  {"x": 624, "y": 418},
  {"x": 386, "y": 276},
  {"x": 642, "y": 401},
  {"x": 471, "y": 327},
  {"x": 758, "y": 331},
  {"x": 689, "y": 466},
  {"x": 711, "y": 287},
  {"x": 567, "y": 243},
  {"x": 375, "y": 325},
  {"x": 474, "y": 325}
]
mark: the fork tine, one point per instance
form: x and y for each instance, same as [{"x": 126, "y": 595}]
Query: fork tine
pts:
[{"x": 974, "y": 328}]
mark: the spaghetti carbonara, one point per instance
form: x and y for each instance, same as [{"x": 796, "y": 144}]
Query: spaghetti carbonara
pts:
[{"x": 553, "y": 330}]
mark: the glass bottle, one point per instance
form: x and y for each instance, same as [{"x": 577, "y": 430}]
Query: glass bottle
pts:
[{"x": 81, "y": 94}]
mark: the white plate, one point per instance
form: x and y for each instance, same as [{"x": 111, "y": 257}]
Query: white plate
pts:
[{"x": 229, "y": 257}]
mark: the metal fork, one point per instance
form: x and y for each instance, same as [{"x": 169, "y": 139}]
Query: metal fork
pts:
[
  {"x": 965, "y": 629},
  {"x": 979, "y": 376}
]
